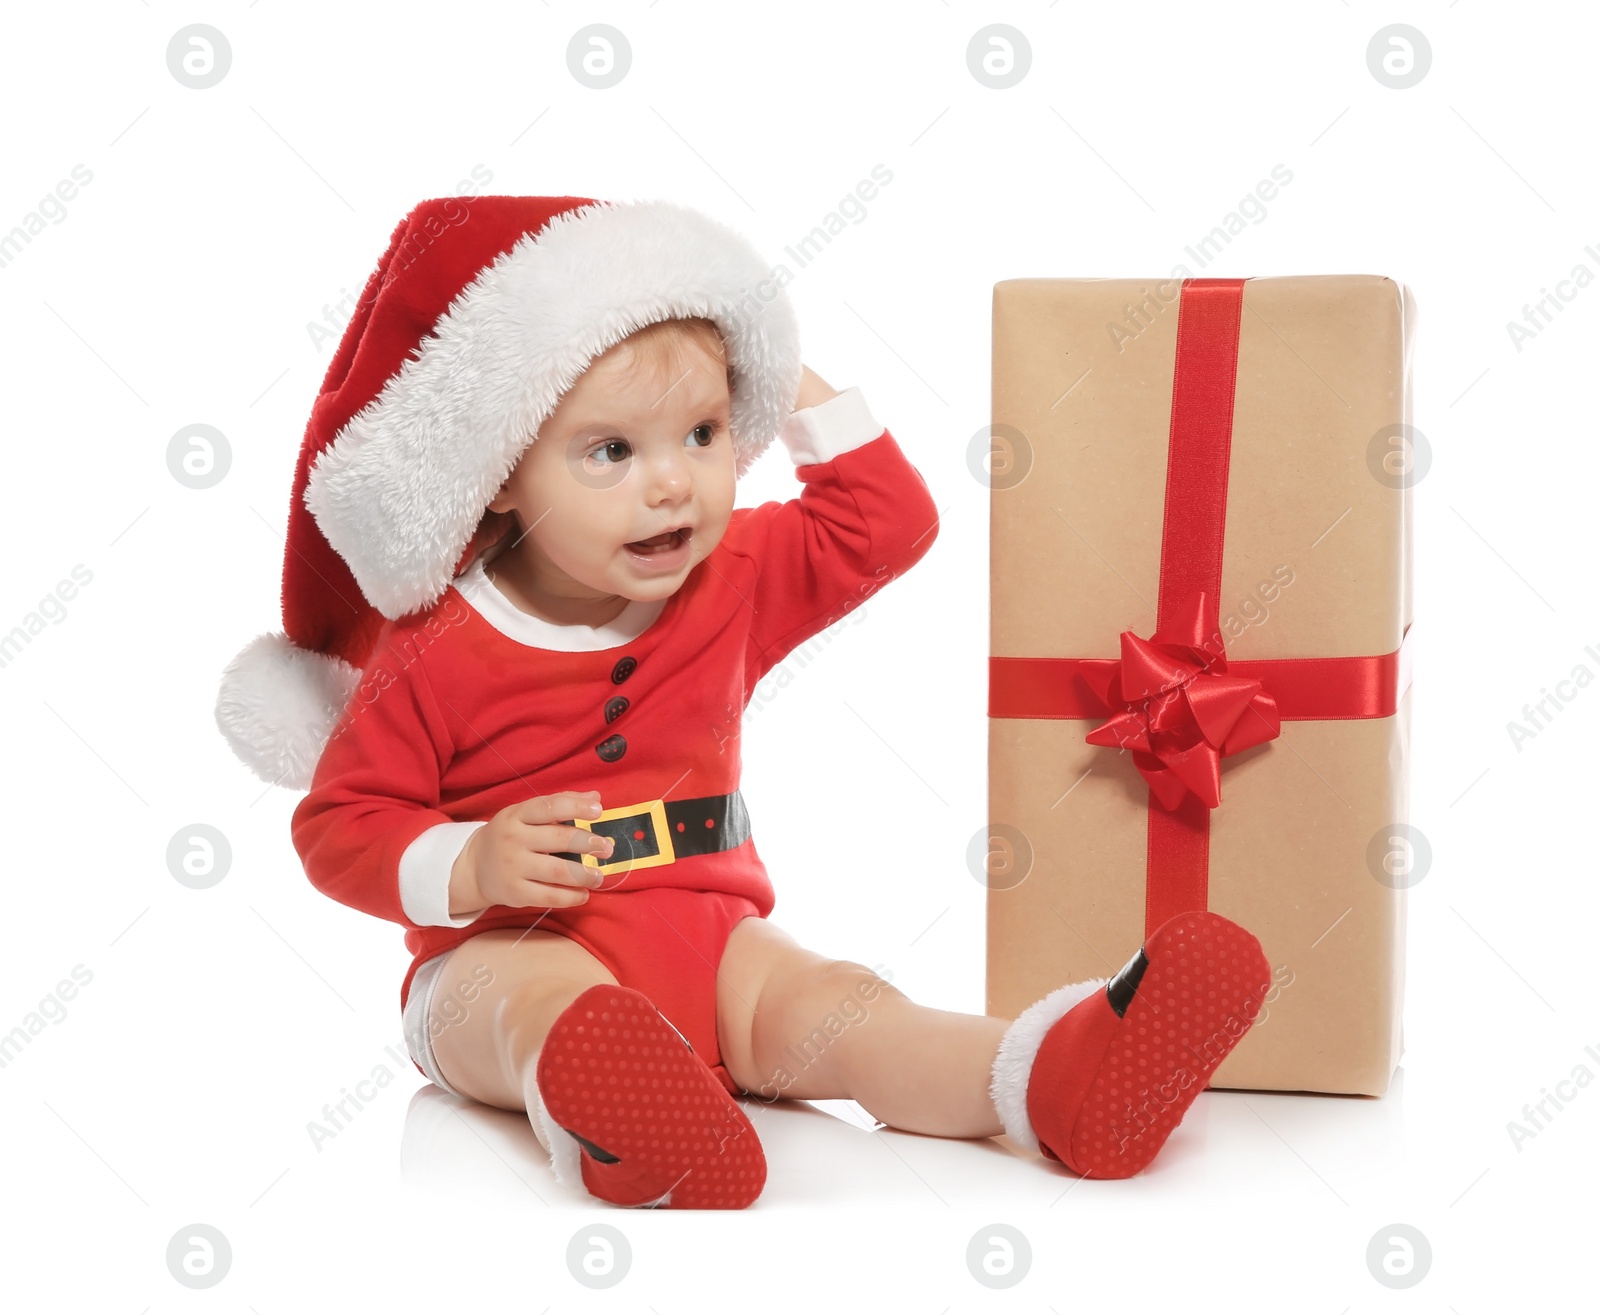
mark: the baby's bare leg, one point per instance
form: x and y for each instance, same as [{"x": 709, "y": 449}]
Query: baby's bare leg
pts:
[
  {"x": 494, "y": 1003},
  {"x": 795, "y": 1023}
]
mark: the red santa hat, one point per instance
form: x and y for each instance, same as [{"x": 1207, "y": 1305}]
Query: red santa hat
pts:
[{"x": 479, "y": 316}]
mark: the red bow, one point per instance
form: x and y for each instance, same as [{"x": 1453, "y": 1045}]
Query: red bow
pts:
[{"x": 1182, "y": 713}]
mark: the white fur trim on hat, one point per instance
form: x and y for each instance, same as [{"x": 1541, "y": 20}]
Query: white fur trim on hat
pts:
[
  {"x": 278, "y": 705},
  {"x": 1008, "y": 1084},
  {"x": 403, "y": 486}
]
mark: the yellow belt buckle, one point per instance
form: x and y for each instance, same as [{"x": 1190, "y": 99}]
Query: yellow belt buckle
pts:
[{"x": 657, "y": 808}]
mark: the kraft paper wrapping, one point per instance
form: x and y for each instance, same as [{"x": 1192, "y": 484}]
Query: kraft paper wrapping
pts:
[{"x": 1081, "y": 413}]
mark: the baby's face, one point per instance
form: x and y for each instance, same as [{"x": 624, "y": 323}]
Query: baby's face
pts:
[{"x": 629, "y": 453}]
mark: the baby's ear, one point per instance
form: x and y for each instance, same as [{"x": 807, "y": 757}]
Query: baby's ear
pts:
[{"x": 492, "y": 527}]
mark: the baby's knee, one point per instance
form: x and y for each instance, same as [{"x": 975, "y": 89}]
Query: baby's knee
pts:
[
  {"x": 857, "y": 987},
  {"x": 834, "y": 1001},
  {"x": 528, "y": 1009}
]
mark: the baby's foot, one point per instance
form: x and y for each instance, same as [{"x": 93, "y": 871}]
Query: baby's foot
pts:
[
  {"x": 1098, "y": 1073},
  {"x": 627, "y": 1104}
]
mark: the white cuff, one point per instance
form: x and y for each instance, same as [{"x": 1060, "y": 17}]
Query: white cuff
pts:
[
  {"x": 425, "y": 874},
  {"x": 1011, "y": 1071},
  {"x": 821, "y": 432}
]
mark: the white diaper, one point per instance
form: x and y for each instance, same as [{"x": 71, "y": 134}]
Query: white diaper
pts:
[{"x": 414, "y": 1020}]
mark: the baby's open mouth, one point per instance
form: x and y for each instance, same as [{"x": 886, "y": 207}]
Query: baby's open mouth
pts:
[{"x": 663, "y": 542}]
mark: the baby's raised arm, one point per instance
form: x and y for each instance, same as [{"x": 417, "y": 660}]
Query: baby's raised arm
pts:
[{"x": 864, "y": 515}]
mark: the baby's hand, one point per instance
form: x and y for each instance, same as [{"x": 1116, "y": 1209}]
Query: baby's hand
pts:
[
  {"x": 814, "y": 390},
  {"x": 511, "y": 859}
]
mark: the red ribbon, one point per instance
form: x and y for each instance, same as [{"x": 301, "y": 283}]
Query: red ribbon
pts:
[
  {"x": 1173, "y": 699},
  {"x": 1180, "y": 710}
]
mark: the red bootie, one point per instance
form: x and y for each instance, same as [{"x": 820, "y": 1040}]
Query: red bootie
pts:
[
  {"x": 1098, "y": 1073},
  {"x": 635, "y": 1116}
]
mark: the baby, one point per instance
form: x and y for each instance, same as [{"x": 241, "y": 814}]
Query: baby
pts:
[{"x": 535, "y": 767}]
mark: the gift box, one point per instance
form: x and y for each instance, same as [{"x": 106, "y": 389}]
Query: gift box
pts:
[{"x": 1199, "y": 682}]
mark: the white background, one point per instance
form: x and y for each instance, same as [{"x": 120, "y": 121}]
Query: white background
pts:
[{"x": 176, "y": 1087}]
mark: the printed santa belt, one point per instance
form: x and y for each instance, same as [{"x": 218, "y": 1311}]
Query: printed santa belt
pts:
[{"x": 658, "y": 831}]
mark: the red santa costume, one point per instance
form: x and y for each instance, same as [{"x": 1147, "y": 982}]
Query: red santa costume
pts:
[{"x": 473, "y": 705}]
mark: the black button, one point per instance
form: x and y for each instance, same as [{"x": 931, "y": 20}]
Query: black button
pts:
[
  {"x": 615, "y": 708},
  {"x": 611, "y": 748},
  {"x": 622, "y": 670}
]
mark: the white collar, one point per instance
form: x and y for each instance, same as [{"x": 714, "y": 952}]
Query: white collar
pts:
[{"x": 484, "y": 596}]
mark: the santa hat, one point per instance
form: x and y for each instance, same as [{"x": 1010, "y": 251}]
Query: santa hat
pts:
[{"x": 479, "y": 316}]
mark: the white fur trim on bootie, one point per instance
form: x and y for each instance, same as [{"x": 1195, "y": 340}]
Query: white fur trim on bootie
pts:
[
  {"x": 566, "y": 1156},
  {"x": 565, "y": 1152},
  {"x": 1008, "y": 1084}
]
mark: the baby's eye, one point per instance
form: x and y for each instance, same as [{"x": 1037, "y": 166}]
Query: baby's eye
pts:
[
  {"x": 709, "y": 429},
  {"x": 615, "y": 443}
]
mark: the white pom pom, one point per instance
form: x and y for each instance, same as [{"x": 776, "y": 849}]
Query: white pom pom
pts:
[{"x": 278, "y": 705}]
